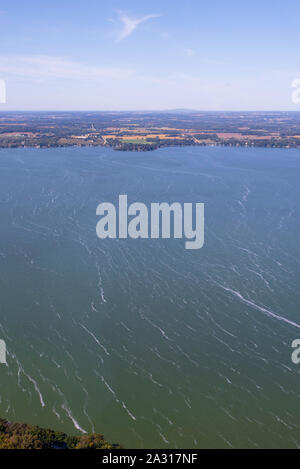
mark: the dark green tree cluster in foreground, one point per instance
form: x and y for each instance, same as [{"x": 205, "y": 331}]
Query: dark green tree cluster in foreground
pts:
[{"x": 23, "y": 436}]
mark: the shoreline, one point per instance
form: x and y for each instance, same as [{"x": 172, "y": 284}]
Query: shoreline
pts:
[{"x": 146, "y": 148}]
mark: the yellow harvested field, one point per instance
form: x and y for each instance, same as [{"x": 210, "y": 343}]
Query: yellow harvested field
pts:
[
  {"x": 243, "y": 137},
  {"x": 17, "y": 134},
  {"x": 142, "y": 136}
]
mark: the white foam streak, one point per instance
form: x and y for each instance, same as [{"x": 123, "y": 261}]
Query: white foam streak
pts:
[{"x": 260, "y": 308}]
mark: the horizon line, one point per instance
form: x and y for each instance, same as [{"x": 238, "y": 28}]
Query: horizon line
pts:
[{"x": 148, "y": 110}]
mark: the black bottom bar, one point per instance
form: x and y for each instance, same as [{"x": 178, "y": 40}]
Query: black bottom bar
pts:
[{"x": 137, "y": 458}]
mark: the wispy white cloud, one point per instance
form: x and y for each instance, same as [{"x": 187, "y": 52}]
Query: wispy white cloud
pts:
[
  {"x": 189, "y": 52},
  {"x": 129, "y": 24},
  {"x": 43, "y": 82},
  {"x": 46, "y": 67},
  {"x": 165, "y": 35}
]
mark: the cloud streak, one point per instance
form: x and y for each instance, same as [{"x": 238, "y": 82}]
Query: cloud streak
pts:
[
  {"x": 189, "y": 52},
  {"x": 129, "y": 24},
  {"x": 46, "y": 67}
]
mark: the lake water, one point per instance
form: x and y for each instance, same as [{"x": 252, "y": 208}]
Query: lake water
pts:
[{"x": 142, "y": 340}]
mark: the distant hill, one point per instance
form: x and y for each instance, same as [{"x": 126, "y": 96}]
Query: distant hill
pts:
[{"x": 23, "y": 436}]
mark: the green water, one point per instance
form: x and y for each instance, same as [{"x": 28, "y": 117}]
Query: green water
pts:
[{"x": 142, "y": 340}]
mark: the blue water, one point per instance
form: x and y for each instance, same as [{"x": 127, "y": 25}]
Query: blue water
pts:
[{"x": 142, "y": 340}]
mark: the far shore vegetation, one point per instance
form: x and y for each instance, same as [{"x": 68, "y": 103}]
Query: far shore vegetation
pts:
[{"x": 144, "y": 131}]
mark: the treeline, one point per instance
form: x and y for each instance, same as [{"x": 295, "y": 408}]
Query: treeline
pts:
[
  {"x": 23, "y": 436},
  {"x": 148, "y": 145}
]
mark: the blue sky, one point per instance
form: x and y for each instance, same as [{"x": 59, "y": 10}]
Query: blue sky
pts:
[{"x": 119, "y": 55}]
